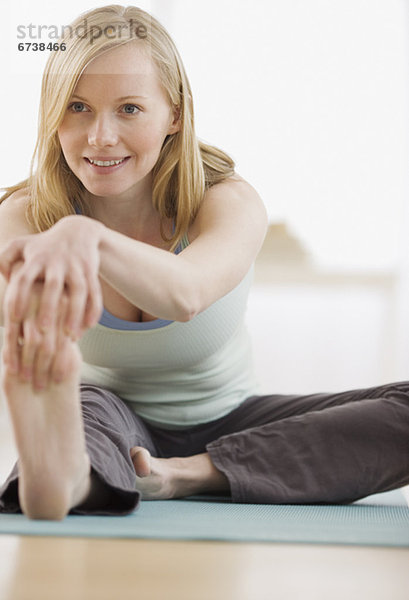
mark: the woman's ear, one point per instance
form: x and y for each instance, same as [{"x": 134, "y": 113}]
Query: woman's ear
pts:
[{"x": 176, "y": 123}]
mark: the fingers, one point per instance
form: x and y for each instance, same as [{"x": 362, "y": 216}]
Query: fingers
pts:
[
  {"x": 12, "y": 253},
  {"x": 46, "y": 300},
  {"x": 94, "y": 305},
  {"x": 85, "y": 300},
  {"x": 55, "y": 258},
  {"x": 85, "y": 294},
  {"x": 51, "y": 294},
  {"x": 78, "y": 294},
  {"x": 13, "y": 333},
  {"x": 34, "y": 344},
  {"x": 32, "y": 340},
  {"x": 43, "y": 349},
  {"x": 53, "y": 312},
  {"x": 50, "y": 352},
  {"x": 38, "y": 357},
  {"x": 44, "y": 358},
  {"x": 61, "y": 365},
  {"x": 19, "y": 290}
]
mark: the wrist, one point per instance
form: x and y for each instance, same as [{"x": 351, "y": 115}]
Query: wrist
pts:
[{"x": 80, "y": 225}]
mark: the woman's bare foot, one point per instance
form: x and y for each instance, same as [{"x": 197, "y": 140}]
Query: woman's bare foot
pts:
[
  {"x": 164, "y": 478},
  {"x": 54, "y": 468}
]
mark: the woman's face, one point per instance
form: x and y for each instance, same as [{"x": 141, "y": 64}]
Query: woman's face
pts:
[{"x": 116, "y": 122}]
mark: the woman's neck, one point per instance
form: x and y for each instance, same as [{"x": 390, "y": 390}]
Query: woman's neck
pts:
[{"x": 135, "y": 218}]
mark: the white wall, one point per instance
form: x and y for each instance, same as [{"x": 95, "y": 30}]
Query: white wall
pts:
[
  {"x": 323, "y": 337},
  {"x": 311, "y": 98}
]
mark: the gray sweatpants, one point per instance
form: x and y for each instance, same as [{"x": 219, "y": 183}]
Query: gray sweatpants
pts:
[{"x": 320, "y": 448}]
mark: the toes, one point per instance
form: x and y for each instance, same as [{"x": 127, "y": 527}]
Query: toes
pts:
[{"x": 141, "y": 459}]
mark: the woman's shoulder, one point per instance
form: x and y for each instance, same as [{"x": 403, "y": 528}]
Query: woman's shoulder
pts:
[
  {"x": 232, "y": 198},
  {"x": 235, "y": 189},
  {"x": 15, "y": 200},
  {"x": 13, "y": 219},
  {"x": 234, "y": 181}
]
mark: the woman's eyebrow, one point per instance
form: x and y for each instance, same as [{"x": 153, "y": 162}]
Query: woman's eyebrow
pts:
[{"x": 121, "y": 99}]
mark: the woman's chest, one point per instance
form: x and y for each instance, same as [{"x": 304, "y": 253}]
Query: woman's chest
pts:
[{"x": 120, "y": 307}]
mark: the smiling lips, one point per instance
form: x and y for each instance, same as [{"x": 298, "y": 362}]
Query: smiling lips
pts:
[
  {"x": 106, "y": 162},
  {"x": 104, "y": 165}
]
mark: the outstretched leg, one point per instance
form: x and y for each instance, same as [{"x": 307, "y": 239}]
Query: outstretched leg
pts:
[
  {"x": 329, "y": 448},
  {"x": 338, "y": 454}
]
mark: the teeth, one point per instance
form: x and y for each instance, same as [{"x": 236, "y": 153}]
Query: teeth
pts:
[{"x": 106, "y": 163}]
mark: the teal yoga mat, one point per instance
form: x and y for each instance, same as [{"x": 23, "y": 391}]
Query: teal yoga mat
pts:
[{"x": 381, "y": 520}]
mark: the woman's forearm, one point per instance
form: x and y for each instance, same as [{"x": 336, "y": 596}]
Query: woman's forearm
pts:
[{"x": 154, "y": 280}]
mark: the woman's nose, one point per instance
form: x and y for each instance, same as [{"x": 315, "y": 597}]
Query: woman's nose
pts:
[{"x": 102, "y": 132}]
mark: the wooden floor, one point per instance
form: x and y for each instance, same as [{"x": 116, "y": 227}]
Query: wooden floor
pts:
[
  {"x": 37, "y": 568},
  {"x": 86, "y": 569}
]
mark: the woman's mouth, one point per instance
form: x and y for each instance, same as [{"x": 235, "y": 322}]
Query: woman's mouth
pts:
[{"x": 103, "y": 165}]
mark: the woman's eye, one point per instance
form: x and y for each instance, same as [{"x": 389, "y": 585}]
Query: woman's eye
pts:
[
  {"x": 77, "y": 107},
  {"x": 130, "y": 109}
]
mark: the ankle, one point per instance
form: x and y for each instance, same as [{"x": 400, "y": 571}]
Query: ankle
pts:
[
  {"x": 97, "y": 495},
  {"x": 197, "y": 474},
  {"x": 82, "y": 485}
]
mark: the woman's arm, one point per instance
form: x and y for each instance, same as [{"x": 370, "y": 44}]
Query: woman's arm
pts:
[
  {"x": 13, "y": 224},
  {"x": 41, "y": 358},
  {"x": 229, "y": 230},
  {"x": 67, "y": 259}
]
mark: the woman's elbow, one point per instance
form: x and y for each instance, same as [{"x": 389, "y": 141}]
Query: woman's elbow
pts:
[
  {"x": 186, "y": 313},
  {"x": 187, "y": 307}
]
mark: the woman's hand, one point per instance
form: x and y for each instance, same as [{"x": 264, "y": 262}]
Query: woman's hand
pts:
[
  {"x": 65, "y": 259},
  {"x": 38, "y": 358}
]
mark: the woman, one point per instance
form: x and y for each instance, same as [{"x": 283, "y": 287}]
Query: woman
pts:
[{"x": 153, "y": 395}]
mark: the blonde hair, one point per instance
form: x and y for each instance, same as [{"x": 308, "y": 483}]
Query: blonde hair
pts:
[{"x": 186, "y": 166}]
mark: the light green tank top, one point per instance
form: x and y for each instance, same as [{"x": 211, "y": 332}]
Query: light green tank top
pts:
[{"x": 173, "y": 374}]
